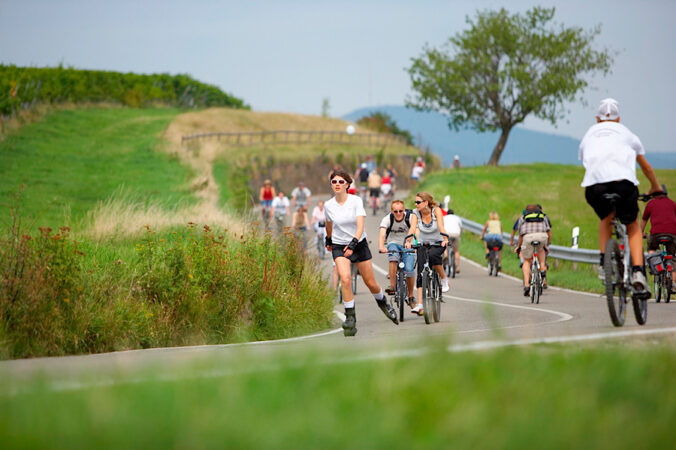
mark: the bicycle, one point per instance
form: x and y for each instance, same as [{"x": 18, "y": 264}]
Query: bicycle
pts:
[
  {"x": 280, "y": 220},
  {"x": 536, "y": 282},
  {"x": 265, "y": 213},
  {"x": 401, "y": 288},
  {"x": 373, "y": 199},
  {"x": 321, "y": 235},
  {"x": 449, "y": 261},
  {"x": 617, "y": 276},
  {"x": 494, "y": 258},
  {"x": 661, "y": 265},
  {"x": 431, "y": 285}
]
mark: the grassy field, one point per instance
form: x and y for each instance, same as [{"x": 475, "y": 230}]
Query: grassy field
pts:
[
  {"x": 603, "y": 396},
  {"x": 73, "y": 159},
  {"x": 475, "y": 191}
]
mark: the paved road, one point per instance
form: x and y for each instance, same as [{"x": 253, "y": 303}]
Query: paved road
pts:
[{"x": 477, "y": 310}]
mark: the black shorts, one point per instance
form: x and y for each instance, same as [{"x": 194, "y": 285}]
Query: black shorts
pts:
[
  {"x": 361, "y": 251},
  {"x": 654, "y": 242},
  {"x": 626, "y": 206},
  {"x": 374, "y": 192},
  {"x": 435, "y": 255}
]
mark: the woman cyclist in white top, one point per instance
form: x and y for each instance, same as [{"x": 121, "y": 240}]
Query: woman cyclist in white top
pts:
[{"x": 346, "y": 240}]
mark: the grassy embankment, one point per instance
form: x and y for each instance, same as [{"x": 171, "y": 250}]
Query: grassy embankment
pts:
[
  {"x": 475, "y": 191},
  {"x": 239, "y": 172},
  {"x": 603, "y": 396},
  {"x": 122, "y": 284}
]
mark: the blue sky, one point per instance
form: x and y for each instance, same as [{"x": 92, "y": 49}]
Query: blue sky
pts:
[{"x": 288, "y": 56}]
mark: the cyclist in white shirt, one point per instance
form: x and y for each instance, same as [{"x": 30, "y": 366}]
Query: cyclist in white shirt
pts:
[
  {"x": 280, "y": 207},
  {"x": 609, "y": 153},
  {"x": 453, "y": 226},
  {"x": 346, "y": 240},
  {"x": 319, "y": 219},
  {"x": 300, "y": 196},
  {"x": 393, "y": 229}
]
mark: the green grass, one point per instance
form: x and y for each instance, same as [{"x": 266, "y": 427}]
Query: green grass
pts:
[
  {"x": 606, "y": 396},
  {"x": 475, "y": 191},
  {"x": 72, "y": 159}
]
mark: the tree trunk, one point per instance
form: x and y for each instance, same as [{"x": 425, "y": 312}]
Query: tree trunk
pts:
[{"x": 499, "y": 147}]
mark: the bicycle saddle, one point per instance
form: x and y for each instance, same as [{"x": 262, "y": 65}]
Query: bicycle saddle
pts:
[{"x": 535, "y": 243}]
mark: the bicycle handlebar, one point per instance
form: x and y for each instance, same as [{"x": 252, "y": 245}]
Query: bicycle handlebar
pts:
[{"x": 406, "y": 250}]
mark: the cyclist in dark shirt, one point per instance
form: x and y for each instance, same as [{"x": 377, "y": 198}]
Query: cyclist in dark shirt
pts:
[{"x": 661, "y": 211}]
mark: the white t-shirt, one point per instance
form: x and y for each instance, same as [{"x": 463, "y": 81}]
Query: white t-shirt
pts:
[
  {"x": 279, "y": 205},
  {"x": 452, "y": 224},
  {"x": 608, "y": 152},
  {"x": 318, "y": 215},
  {"x": 344, "y": 218},
  {"x": 398, "y": 232},
  {"x": 301, "y": 195},
  {"x": 417, "y": 172}
]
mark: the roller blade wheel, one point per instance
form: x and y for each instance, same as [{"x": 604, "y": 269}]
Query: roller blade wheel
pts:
[
  {"x": 350, "y": 324},
  {"x": 387, "y": 309}
]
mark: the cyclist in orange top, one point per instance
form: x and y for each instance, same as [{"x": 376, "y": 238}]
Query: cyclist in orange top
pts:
[{"x": 267, "y": 194}]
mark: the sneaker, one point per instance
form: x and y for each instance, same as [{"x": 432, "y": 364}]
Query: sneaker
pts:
[
  {"x": 639, "y": 282},
  {"x": 444, "y": 285},
  {"x": 412, "y": 302},
  {"x": 350, "y": 324},
  {"x": 526, "y": 291},
  {"x": 417, "y": 310},
  {"x": 390, "y": 290},
  {"x": 387, "y": 309}
]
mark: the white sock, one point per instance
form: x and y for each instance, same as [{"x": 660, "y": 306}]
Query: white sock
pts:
[
  {"x": 349, "y": 304},
  {"x": 379, "y": 296}
]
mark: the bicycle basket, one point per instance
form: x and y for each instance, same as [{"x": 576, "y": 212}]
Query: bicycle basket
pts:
[{"x": 655, "y": 263}]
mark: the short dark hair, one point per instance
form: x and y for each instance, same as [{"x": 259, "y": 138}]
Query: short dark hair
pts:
[
  {"x": 341, "y": 173},
  {"x": 450, "y": 211}
]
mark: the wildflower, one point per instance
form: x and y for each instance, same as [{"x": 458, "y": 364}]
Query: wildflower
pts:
[
  {"x": 118, "y": 262},
  {"x": 149, "y": 315},
  {"x": 66, "y": 300},
  {"x": 190, "y": 276}
]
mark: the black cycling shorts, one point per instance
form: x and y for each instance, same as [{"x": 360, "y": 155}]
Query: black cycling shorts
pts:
[
  {"x": 626, "y": 206},
  {"x": 435, "y": 254},
  {"x": 361, "y": 251},
  {"x": 374, "y": 192}
]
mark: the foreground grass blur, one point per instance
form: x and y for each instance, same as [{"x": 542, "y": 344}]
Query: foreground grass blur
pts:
[{"x": 602, "y": 396}]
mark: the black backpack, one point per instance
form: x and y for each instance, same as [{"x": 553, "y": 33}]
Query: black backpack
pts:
[
  {"x": 407, "y": 220},
  {"x": 534, "y": 216}
]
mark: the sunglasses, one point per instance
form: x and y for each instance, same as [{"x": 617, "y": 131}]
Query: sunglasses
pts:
[
  {"x": 417, "y": 202},
  {"x": 398, "y": 211},
  {"x": 334, "y": 181}
]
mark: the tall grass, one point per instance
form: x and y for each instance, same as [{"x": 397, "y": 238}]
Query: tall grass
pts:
[
  {"x": 613, "y": 397},
  {"x": 192, "y": 285}
]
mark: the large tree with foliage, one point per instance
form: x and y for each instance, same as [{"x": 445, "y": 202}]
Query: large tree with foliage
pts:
[{"x": 504, "y": 68}]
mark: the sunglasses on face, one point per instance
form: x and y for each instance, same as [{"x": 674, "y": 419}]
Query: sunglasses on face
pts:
[
  {"x": 417, "y": 202},
  {"x": 335, "y": 181},
  {"x": 398, "y": 211}
]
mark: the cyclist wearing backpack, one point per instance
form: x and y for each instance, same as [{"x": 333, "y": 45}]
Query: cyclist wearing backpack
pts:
[
  {"x": 393, "y": 229},
  {"x": 533, "y": 227},
  {"x": 609, "y": 152},
  {"x": 661, "y": 211}
]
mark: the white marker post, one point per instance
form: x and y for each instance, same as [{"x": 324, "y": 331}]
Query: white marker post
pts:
[
  {"x": 576, "y": 239},
  {"x": 447, "y": 201},
  {"x": 350, "y": 130}
]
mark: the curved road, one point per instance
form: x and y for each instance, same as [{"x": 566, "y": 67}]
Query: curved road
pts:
[{"x": 479, "y": 312}]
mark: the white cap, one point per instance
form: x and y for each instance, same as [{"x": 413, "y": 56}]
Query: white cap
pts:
[
  {"x": 609, "y": 109},
  {"x": 456, "y": 157}
]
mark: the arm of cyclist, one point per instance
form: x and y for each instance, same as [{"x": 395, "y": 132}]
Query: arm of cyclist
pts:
[
  {"x": 440, "y": 224},
  {"x": 649, "y": 173},
  {"x": 518, "y": 244},
  {"x": 511, "y": 238},
  {"x": 381, "y": 240},
  {"x": 644, "y": 222},
  {"x": 483, "y": 232},
  {"x": 412, "y": 231},
  {"x": 549, "y": 238}
]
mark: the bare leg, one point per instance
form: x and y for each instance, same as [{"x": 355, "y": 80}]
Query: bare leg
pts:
[
  {"x": 366, "y": 271},
  {"x": 635, "y": 243},
  {"x": 526, "y": 272},
  {"x": 605, "y": 230},
  {"x": 344, "y": 272}
]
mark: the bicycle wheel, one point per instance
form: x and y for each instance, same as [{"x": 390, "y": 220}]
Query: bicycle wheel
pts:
[
  {"x": 401, "y": 294},
  {"x": 614, "y": 270},
  {"x": 537, "y": 286},
  {"x": 452, "y": 264},
  {"x": 657, "y": 281},
  {"x": 640, "y": 309},
  {"x": 354, "y": 278},
  {"x": 490, "y": 262},
  {"x": 427, "y": 298},
  {"x": 447, "y": 267},
  {"x": 436, "y": 302},
  {"x": 340, "y": 291},
  {"x": 668, "y": 285}
]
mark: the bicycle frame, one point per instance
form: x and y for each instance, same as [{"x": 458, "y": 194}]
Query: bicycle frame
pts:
[{"x": 400, "y": 282}]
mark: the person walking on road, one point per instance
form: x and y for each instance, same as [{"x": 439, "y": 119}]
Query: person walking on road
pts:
[
  {"x": 346, "y": 240},
  {"x": 427, "y": 224},
  {"x": 393, "y": 230},
  {"x": 609, "y": 152}
]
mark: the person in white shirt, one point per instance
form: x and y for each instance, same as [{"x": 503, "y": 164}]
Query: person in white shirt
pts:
[
  {"x": 393, "y": 229},
  {"x": 453, "y": 226},
  {"x": 300, "y": 196},
  {"x": 280, "y": 208},
  {"x": 609, "y": 153},
  {"x": 346, "y": 240}
]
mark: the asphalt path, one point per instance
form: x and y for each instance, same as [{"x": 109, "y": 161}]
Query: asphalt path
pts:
[{"x": 478, "y": 312}]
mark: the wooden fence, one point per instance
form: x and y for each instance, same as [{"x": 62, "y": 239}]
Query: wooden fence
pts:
[{"x": 296, "y": 137}]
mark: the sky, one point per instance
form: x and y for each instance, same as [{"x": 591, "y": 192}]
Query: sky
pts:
[{"x": 290, "y": 55}]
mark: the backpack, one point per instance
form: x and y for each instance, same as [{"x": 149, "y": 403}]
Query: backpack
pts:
[
  {"x": 407, "y": 220},
  {"x": 534, "y": 216},
  {"x": 363, "y": 175}
]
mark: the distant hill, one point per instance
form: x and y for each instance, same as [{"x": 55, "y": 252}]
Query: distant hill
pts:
[{"x": 473, "y": 148}]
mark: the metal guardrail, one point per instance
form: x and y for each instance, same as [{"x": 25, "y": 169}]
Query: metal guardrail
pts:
[
  {"x": 581, "y": 255},
  {"x": 298, "y": 137}
]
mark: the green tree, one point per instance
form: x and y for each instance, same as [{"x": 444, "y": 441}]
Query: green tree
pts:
[
  {"x": 384, "y": 123},
  {"x": 504, "y": 68}
]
